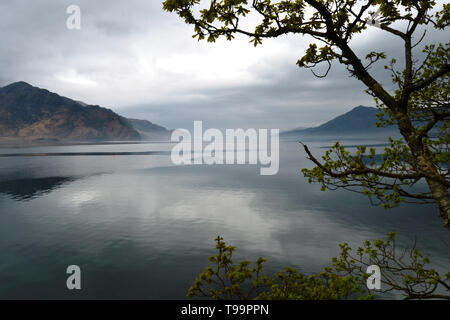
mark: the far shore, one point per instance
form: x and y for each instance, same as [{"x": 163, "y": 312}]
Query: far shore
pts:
[{"x": 22, "y": 143}]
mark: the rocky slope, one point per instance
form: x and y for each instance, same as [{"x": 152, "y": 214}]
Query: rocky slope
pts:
[{"x": 32, "y": 114}]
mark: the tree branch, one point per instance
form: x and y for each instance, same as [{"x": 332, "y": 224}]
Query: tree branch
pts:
[{"x": 362, "y": 170}]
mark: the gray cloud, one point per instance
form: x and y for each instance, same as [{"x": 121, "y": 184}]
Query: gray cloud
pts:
[{"x": 142, "y": 62}]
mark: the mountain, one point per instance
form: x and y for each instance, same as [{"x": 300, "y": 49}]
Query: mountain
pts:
[
  {"x": 359, "y": 121},
  {"x": 32, "y": 114},
  {"x": 149, "y": 131}
]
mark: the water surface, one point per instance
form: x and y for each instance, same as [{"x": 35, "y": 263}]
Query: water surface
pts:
[{"x": 140, "y": 227}]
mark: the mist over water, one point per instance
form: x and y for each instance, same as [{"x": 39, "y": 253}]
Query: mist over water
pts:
[{"x": 140, "y": 227}]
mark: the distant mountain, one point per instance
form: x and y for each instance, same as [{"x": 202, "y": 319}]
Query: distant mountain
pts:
[
  {"x": 32, "y": 114},
  {"x": 149, "y": 131},
  {"x": 360, "y": 120}
]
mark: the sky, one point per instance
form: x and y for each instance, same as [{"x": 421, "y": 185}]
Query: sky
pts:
[{"x": 142, "y": 62}]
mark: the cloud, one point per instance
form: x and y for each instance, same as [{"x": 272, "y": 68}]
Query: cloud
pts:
[{"x": 142, "y": 62}]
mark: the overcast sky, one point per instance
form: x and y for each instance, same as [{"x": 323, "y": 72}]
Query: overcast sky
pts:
[{"x": 140, "y": 61}]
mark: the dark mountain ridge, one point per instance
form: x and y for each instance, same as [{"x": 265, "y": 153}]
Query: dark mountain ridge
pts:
[
  {"x": 29, "y": 113},
  {"x": 360, "y": 120}
]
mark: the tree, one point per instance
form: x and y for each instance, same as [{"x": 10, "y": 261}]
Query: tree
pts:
[
  {"x": 402, "y": 271},
  {"x": 419, "y": 106}
]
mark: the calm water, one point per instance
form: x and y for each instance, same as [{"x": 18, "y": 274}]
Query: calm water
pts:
[{"x": 141, "y": 228}]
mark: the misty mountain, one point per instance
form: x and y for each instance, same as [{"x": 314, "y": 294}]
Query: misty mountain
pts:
[
  {"x": 359, "y": 121},
  {"x": 32, "y": 114},
  {"x": 149, "y": 131}
]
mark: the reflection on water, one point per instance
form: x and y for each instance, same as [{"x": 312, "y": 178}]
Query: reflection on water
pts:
[
  {"x": 141, "y": 228},
  {"x": 25, "y": 189}
]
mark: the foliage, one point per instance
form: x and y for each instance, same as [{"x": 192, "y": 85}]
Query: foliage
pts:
[
  {"x": 406, "y": 273},
  {"x": 225, "y": 280}
]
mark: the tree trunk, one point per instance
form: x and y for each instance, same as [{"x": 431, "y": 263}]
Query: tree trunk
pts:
[
  {"x": 439, "y": 191},
  {"x": 442, "y": 198}
]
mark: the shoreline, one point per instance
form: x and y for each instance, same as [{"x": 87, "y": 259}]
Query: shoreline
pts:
[{"x": 16, "y": 144}]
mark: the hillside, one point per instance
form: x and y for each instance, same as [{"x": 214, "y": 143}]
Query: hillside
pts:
[
  {"x": 32, "y": 114},
  {"x": 149, "y": 131},
  {"x": 359, "y": 121}
]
